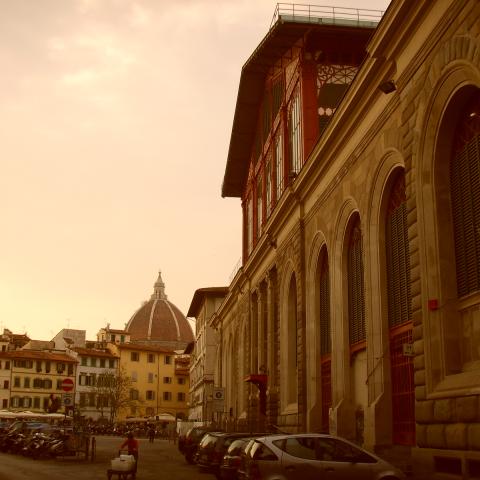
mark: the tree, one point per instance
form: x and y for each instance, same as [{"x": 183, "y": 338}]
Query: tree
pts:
[{"x": 113, "y": 392}]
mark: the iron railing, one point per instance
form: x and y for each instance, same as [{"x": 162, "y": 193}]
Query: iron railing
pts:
[{"x": 324, "y": 14}]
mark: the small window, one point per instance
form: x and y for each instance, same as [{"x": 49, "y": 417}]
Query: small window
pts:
[
  {"x": 167, "y": 380},
  {"x": 26, "y": 382},
  {"x": 16, "y": 382},
  {"x": 39, "y": 366},
  {"x": 122, "y": 338},
  {"x": 180, "y": 397},
  {"x": 84, "y": 361},
  {"x": 150, "y": 395},
  {"x": 36, "y": 402},
  {"x": 60, "y": 367},
  {"x": 7, "y": 365},
  {"x": 151, "y": 358},
  {"x": 133, "y": 394},
  {"x": 102, "y": 363},
  {"x": 15, "y": 402},
  {"x": 93, "y": 362},
  {"x": 150, "y": 378},
  {"x": 59, "y": 384},
  {"x": 5, "y": 403},
  {"x": 181, "y": 381},
  {"x": 27, "y": 402},
  {"x": 134, "y": 376},
  {"x": 70, "y": 369},
  {"x": 111, "y": 363},
  {"x": 167, "y": 396},
  {"x": 6, "y": 384},
  {"x": 134, "y": 356},
  {"x": 47, "y": 383},
  {"x": 168, "y": 360},
  {"x": 47, "y": 367},
  {"x": 112, "y": 338}
]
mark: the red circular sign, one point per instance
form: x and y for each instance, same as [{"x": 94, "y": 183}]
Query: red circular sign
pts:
[{"x": 67, "y": 385}]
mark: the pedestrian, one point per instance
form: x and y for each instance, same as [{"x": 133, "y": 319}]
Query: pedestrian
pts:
[
  {"x": 151, "y": 434},
  {"x": 132, "y": 447}
]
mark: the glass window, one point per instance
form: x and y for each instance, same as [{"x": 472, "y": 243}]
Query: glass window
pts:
[
  {"x": 84, "y": 361},
  {"x": 26, "y": 382},
  {"x": 279, "y": 165},
  {"x": 180, "y": 397},
  {"x": 134, "y": 376},
  {"x": 150, "y": 378},
  {"x": 167, "y": 379},
  {"x": 259, "y": 451},
  {"x": 134, "y": 356},
  {"x": 93, "y": 362},
  {"x": 102, "y": 363},
  {"x": 111, "y": 363},
  {"x": 150, "y": 395},
  {"x": 168, "y": 360},
  {"x": 151, "y": 358},
  {"x": 259, "y": 205},
  {"x": 295, "y": 133},
  {"x": 167, "y": 395},
  {"x": 16, "y": 381}
]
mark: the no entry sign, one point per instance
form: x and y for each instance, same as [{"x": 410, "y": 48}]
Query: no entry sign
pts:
[{"x": 67, "y": 385}]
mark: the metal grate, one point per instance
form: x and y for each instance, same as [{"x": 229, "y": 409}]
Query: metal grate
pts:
[{"x": 356, "y": 295}]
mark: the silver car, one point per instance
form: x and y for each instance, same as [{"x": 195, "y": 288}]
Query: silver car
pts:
[{"x": 313, "y": 456}]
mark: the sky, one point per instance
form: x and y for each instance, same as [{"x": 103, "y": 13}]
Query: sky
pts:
[{"x": 115, "y": 121}]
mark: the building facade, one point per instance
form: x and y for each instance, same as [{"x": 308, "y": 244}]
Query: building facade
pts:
[
  {"x": 205, "y": 356},
  {"x": 355, "y": 154}
]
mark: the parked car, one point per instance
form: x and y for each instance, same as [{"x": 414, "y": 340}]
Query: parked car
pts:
[
  {"x": 232, "y": 460},
  {"x": 310, "y": 456},
  {"x": 191, "y": 441},
  {"x": 213, "y": 447}
]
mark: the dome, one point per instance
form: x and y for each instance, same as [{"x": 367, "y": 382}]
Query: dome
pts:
[{"x": 159, "y": 321}]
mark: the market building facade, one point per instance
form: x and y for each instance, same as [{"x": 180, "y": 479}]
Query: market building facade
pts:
[{"x": 355, "y": 152}]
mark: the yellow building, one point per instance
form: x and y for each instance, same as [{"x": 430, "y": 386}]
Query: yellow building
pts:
[{"x": 159, "y": 380}]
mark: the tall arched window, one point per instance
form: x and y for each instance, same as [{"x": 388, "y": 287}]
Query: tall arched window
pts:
[
  {"x": 325, "y": 336},
  {"x": 356, "y": 294},
  {"x": 465, "y": 198},
  {"x": 291, "y": 341},
  {"x": 397, "y": 255}
]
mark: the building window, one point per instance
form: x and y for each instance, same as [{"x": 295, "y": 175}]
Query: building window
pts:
[
  {"x": 37, "y": 383},
  {"x": 39, "y": 365},
  {"x": 47, "y": 367},
  {"x": 27, "y": 402},
  {"x": 279, "y": 165},
  {"x": 134, "y": 356},
  {"x": 91, "y": 400},
  {"x": 150, "y": 378},
  {"x": 111, "y": 363},
  {"x": 4, "y": 403},
  {"x": 26, "y": 382},
  {"x": 93, "y": 362},
  {"x": 15, "y": 402},
  {"x": 59, "y": 384},
  {"x": 84, "y": 361},
  {"x": 268, "y": 185},
  {"x": 168, "y": 359},
  {"x": 6, "y": 384},
  {"x": 36, "y": 402},
  {"x": 180, "y": 397},
  {"x": 47, "y": 384},
  {"x": 60, "y": 367},
  {"x": 83, "y": 399},
  {"x": 167, "y": 396},
  {"x": 16, "y": 382},
  {"x": 122, "y": 338},
  {"x": 133, "y": 394},
  {"x": 356, "y": 296},
  {"x": 151, "y": 358},
  {"x": 181, "y": 381},
  {"x": 259, "y": 193},
  {"x": 167, "y": 379},
  {"x": 249, "y": 225},
  {"x": 112, "y": 338},
  {"x": 295, "y": 134},
  {"x": 150, "y": 395},
  {"x": 70, "y": 369},
  {"x": 134, "y": 376},
  {"x": 102, "y": 363},
  {"x": 7, "y": 365}
]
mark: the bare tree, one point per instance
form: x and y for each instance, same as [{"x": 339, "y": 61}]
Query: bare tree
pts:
[{"x": 113, "y": 393}]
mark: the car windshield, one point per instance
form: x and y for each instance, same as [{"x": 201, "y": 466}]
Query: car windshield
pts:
[{"x": 237, "y": 446}]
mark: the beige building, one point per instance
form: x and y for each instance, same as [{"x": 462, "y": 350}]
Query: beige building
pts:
[
  {"x": 205, "y": 356},
  {"x": 355, "y": 153}
]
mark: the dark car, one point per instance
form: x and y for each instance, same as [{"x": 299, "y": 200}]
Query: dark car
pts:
[
  {"x": 191, "y": 441},
  {"x": 213, "y": 447},
  {"x": 232, "y": 460}
]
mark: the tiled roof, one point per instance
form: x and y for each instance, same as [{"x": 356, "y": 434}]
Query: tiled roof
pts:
[
  {"x": 142, "y": 347},
  {"x": 90, "y": 352},
  {"x": 38, "y": 355}
]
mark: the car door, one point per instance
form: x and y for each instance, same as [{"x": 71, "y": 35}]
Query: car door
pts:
[
  {"x": 298, "y": 458},
  {"x": 340, "y": 460}
]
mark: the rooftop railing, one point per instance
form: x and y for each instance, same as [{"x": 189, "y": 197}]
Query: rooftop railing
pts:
[{"x": 296, "y": 12}]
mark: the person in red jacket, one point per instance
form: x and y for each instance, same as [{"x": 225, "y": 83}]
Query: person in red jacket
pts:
[{"x": 131, "y": 444}]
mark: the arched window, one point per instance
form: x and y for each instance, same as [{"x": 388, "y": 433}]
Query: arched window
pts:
[
  {"x": 397, "y": 255},
  {"x": 356, "y": 295},
  {"x": 291, "y": 340},
  {"x": 465, "y": 198}
]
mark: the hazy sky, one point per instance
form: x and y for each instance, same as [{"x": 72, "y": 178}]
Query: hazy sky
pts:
[{"x": 115, "y": 120}]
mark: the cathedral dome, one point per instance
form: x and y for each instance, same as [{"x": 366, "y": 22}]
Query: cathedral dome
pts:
[{"x": 159, "y": 321}]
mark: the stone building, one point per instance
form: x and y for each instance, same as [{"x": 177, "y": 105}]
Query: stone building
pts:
[{"x": 355, "y": 152}]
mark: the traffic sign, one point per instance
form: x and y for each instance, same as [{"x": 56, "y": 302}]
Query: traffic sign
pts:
[
  {"x": 67, "y": 385},
  {"x": 67, "y": 399}
]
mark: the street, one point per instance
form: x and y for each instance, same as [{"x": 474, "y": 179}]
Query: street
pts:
[{"x": 157, "y": 460}]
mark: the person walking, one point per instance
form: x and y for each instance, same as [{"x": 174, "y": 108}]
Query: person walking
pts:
[
  {"x": 131, "y": 444},
  {"x": 151, "y": 434}
]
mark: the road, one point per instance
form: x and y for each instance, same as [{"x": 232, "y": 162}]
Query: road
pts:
[{"x": 158, "y": 460}]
